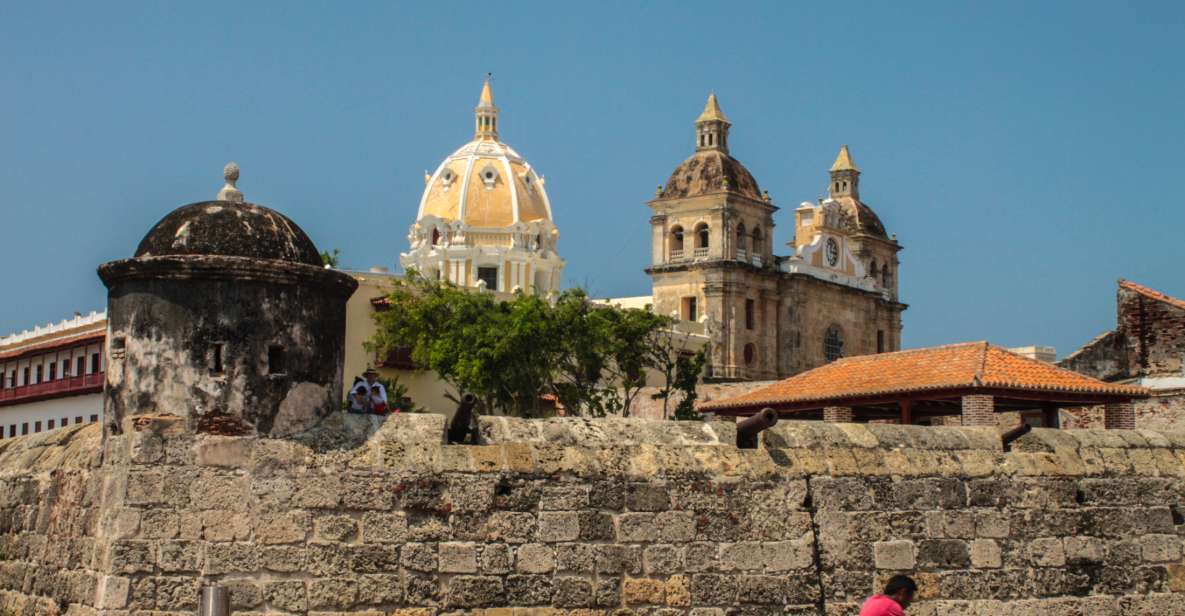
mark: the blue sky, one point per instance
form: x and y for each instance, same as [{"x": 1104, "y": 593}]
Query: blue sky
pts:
[{"x": 1026, "y": 154}]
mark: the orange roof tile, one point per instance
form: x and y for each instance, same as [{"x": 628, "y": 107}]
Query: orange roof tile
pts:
[
  {"x": 1150, "y": 293},
  {"x": 956, "y": 366}
]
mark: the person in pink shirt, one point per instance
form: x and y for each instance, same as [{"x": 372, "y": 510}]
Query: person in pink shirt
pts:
[{"x": 897, "y": 596}]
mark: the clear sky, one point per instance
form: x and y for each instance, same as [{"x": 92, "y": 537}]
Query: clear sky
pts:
[{"x": 1027, "y": 154}]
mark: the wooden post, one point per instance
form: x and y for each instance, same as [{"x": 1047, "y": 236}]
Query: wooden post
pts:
[{"x": 906, "y": 412}]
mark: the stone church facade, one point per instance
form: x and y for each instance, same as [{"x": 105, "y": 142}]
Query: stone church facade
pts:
[{"x": 771, "y": 316}]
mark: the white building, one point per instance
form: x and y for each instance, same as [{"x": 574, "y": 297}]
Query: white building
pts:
[
  {"x": 484, "y": 218},
  {"x": 52, "y": 376}
]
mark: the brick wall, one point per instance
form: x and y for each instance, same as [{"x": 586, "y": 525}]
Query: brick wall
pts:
[
  {"x": 979, "y": 411},
  {"x": 1154, "y": 332},
  {"x": 627, "y": 517}
]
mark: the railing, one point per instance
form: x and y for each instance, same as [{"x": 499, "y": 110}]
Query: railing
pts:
[
  {"x": 86, "y": 383},
  {"x": 757, "y": 260},
  {"x": 700, "y": 253},
  {"x": 677, "y": 255},
  {"x": 742, "y": 254}
]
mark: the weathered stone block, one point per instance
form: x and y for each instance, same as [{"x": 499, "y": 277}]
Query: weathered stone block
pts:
[
  {"x": 231, "y": 557},
  {"x": 340, "y": 528},
  {"x": 618, "y": 559},
  {"x": 458, "y": 557},
  {"x": 557, "y": 526},
  {"x": 495, "y": 558},
  {"x": 985, "y": 554},
  {"x": 643, "y": 592},
  {"x": 528, "y": 589},
  {"x": 224, "y": 525},
  {"x": 288, "y": 527},
  {"x": 572, "y": 592},
  {"x": 746, "y": 556},
  {"x": 675, "y": 526},
  {"x": 381, "y": 527},
  {"x": 943, "y": 553},
  {"x": 896, "y": 555},
  {"x": 289, "y": 595},
  {"x": 534, "y": 558},
  {"x": 636, "y": 527},
  {"x": 511, "y": 527},
  {"x": 333, "y": 593},
  {"x": 474, "y": 591},
  {"x": 419, "y": 557},
  {"x": 283, "y": 558}
]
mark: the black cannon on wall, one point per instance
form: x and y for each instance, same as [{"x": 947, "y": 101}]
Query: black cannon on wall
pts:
[{"x": 750, "y": 427}]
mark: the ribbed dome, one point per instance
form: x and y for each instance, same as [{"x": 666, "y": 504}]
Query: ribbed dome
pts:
[
  {"x": 862, "y": 216},
  {"x": 229, "y": 229},
  {"x": 705, "y": 172},
  {"x": 485, "y": 184}
]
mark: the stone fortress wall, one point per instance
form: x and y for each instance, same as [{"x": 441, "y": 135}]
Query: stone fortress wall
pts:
[{"x": 579, "y": 517}]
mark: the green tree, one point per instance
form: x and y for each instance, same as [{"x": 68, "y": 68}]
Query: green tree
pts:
[
  {"x": 590, "y": 356},
  {"x": 330, "y": 258},
  {"x": 687, "y": 373}
]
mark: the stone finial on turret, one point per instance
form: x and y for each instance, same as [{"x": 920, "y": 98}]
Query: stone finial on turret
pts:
[{"x": 229, "y": 191}]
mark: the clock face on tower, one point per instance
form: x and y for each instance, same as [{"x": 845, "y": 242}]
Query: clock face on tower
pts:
[{"x": 832, "y": 252}]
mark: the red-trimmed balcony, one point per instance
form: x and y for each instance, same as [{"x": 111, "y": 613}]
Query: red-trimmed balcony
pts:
[{"x": 59, "y": 388}]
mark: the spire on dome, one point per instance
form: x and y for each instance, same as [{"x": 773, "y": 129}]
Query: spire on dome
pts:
[
  {"x": 486, "y": 112},
  {"x": 711, "y": 127},
  {"x": 843, "y": 162},
  {"x": 487, "y": 93},
  {"x": 712, "y": 111},
  {"x": 845, "y": 176}
]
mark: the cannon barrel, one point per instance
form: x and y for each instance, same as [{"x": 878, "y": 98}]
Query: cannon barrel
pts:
[
  {"x": 459, "y": 426},
  {"x": 749, "y": 427},
  {"x": 1014, "y": 434}
]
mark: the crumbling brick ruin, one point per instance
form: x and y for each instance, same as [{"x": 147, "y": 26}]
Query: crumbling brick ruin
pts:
[
  {"x": 585, "y": 517},
  {"x": 1146, "y": 347}
]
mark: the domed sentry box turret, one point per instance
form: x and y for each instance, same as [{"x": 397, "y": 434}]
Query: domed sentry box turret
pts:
[{"x": 225, "y": 317}]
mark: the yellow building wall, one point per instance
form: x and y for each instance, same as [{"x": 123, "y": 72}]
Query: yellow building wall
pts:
[{"x": 426, "y": 391}]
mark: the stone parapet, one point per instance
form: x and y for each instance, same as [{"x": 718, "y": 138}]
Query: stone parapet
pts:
[{"x": 379, "y": 517}]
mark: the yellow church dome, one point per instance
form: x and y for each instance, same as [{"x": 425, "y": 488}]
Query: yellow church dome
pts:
[{"x": 485, "y": 183}]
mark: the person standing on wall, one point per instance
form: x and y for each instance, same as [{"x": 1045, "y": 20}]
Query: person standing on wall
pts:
[{"x": 898, "y": 595}]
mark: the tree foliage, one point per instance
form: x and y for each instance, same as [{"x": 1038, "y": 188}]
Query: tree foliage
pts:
[{"x": 591, "y": 357}]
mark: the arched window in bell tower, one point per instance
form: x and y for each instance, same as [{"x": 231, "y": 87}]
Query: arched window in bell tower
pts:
[
  {"x": 676, "y": 246},
  {"x": 701, "y": 235},
  {"x": 758, "y": 240}
]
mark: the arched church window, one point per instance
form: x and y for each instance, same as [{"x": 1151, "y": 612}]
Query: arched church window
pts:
[
  {"x": 873, "y": 271},
  {"x": 435, "y": 236},
  {"x": 677, "y": 238},
  {"x": 742, "y": 244},
  {"x": 701, "y": 235},
  {"x": 758, "y": 238},
  {"x": 886, "y": 276},
  {"x": 750, "y": 352},
  {"x": 832, "y": 343}
]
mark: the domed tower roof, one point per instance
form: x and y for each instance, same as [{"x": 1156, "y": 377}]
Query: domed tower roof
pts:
[
  {"x": 229, "y": 227},
  {"x": 485, "y": 183},
  {"x": 711, "y": 169},
  {"x": 845, "y": 190}
]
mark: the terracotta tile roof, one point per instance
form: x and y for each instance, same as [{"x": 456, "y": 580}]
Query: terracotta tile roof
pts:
[
  {"x": 1150, "y": 293},
  {"x": 955, "y": 366}
]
